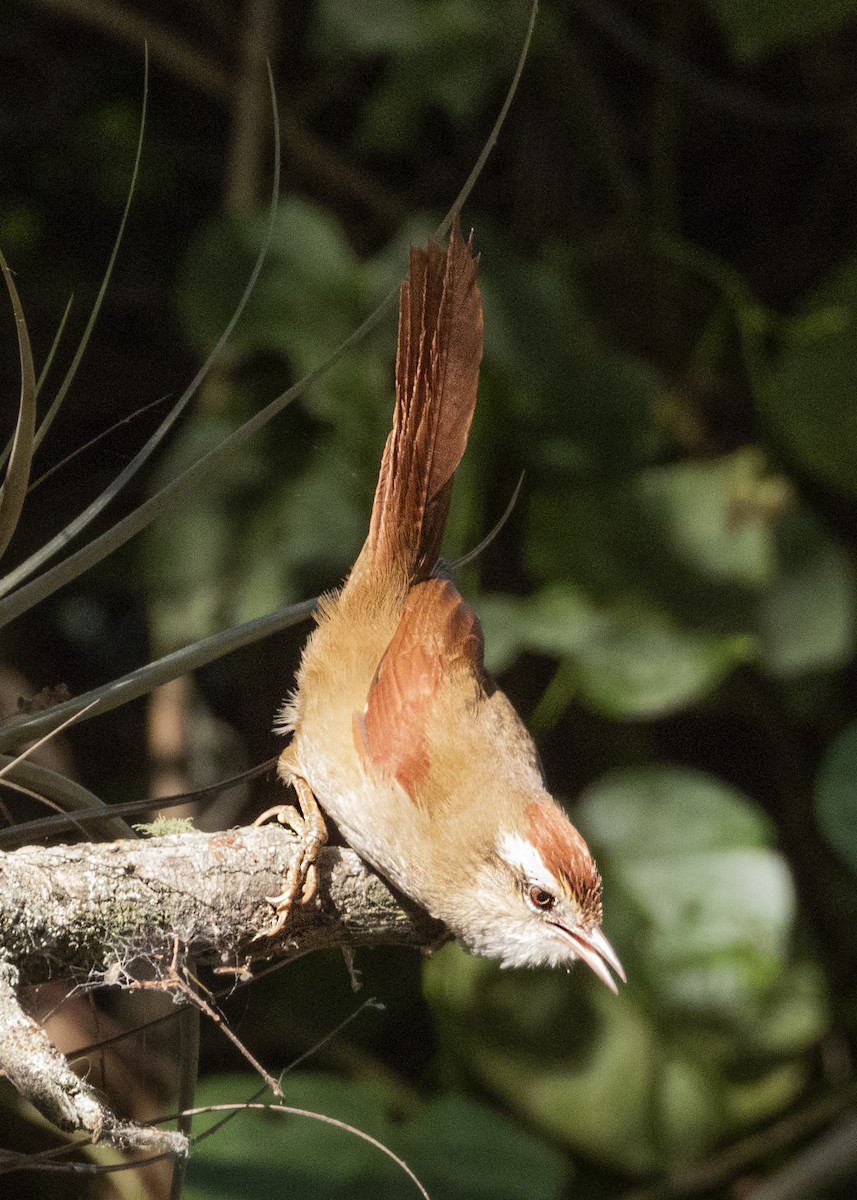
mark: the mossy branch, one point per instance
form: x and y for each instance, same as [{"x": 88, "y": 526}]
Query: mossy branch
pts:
[{"x": 131, "y": 913}]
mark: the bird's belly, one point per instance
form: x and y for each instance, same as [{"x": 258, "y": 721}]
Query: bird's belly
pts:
[{"x": 375, "y": 816}]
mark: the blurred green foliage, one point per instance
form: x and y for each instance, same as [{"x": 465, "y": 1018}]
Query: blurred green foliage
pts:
[
  {"x": 455, "y": 1146},
  {"x": 671, "y": 337},
  {"x": 756, "y": 27},
  {"x": 836, "y": 794},
  {"x": 711, "y": 1034}
]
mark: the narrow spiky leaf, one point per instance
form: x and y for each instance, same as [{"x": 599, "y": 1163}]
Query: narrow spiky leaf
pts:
[{"x": 17, "y": 476}]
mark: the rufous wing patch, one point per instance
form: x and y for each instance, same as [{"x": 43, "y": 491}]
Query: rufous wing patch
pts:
[{"x": 437, "y": 637}]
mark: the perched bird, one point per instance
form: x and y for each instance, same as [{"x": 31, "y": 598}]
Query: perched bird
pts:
[{"x": 398, "y": 732}]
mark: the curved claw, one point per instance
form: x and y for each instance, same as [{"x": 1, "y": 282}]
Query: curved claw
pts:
[{"x": 302, "y": 876}]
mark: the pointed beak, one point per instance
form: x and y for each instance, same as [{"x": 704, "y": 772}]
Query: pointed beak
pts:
[{"x": 592, "y": 947}]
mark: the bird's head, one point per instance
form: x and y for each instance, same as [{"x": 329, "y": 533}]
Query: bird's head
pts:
[{"x": 536, "y": 899}]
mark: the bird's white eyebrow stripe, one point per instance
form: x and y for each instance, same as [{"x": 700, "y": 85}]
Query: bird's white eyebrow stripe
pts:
[{"x": 521, "y": 855}]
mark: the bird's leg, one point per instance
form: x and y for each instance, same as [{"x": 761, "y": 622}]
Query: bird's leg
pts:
[{"x": 309, "y": 826}]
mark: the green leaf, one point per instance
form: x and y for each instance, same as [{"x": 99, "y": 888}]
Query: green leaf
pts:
[
  {"x": 589, "y": 407},
  {"x": 461, "y": 1148},
  {"x": 557, "y": 621},
  {"x": 694, "y": 539},
  {"x": 626, "y": 661},
  {"x": 711, "y": 1029},
  {"x": 810, "y": 400},
  {"x": 806, "y": 620},
  {"x": 704, "y": 510},
  {"x": 262, "y": 1155},
  {"x": 190, "y": 560},
  {"x": 641, "y": 666},
  {"x": 13, "y": 490},
  {"x": 758, "y": 27},
  {"x": 716, "y": 902},
  {"x": 658, "y": 585},
  {"x": 836, "y": 795},
  {"x": 309, "y": 297},
  {"x": 458, "y": 1148},
  {"x": 429, "y": 50}
]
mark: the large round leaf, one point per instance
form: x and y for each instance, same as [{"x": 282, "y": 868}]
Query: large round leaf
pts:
[
  {"x": 458, "y": 1148},
  {"x": 710, "y": 1031}
]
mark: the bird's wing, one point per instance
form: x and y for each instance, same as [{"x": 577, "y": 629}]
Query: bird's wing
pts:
[{"x": 438, "y": 636}]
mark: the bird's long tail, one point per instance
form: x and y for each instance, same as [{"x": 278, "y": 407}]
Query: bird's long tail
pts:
[{"x": 437, "y": 372}]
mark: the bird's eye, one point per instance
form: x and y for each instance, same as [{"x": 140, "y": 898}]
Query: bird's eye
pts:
[{"x": 541, "y": 899}]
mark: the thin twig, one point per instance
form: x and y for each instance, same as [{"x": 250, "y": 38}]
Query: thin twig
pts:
[{"x": 249, "y": 106}]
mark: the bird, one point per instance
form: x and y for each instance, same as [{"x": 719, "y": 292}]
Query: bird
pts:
[{"x": 398, "y": 733}]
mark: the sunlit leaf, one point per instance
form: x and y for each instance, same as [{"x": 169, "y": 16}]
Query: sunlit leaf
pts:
[
  {"x": 624, "y": 660},
  {"x": 712, "y": 519},
  {"x": 718, "y": 922},
  {"x": 643, "y": 667}
]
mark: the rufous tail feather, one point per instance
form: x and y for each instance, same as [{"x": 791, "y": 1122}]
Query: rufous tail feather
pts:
[{"x": 437, "y": 373}]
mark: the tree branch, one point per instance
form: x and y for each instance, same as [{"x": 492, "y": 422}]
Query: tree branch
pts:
[
  {"x": 130, "y": 913},
  {"x": 39, "y": 1072}
]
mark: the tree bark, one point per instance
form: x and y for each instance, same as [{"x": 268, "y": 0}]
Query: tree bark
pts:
[{"x": 119, "y": 913}]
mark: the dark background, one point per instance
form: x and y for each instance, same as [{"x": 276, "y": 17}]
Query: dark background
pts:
[{"x": 667, "y": 231}]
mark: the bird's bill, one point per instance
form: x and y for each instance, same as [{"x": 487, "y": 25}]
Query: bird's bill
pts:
[{"x": 592, "y": 947}]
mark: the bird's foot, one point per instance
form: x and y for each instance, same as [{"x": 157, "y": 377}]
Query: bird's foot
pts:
[{"x": 301, "y": 878}]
